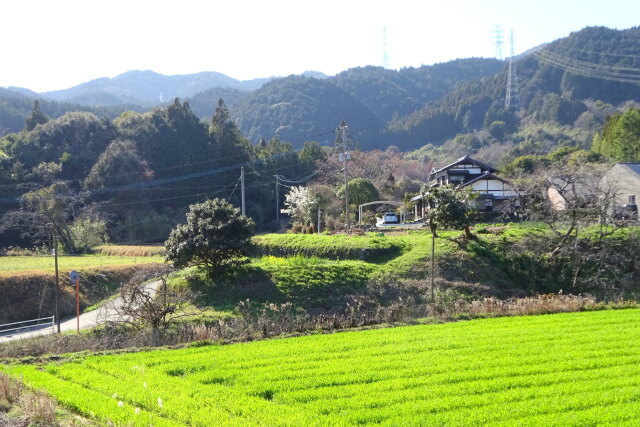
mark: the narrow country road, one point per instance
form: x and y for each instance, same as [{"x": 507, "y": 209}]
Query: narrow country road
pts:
[{"x": 108, "y": 311}]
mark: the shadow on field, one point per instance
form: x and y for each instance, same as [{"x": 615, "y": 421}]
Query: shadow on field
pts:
[{"x": 320, "y": 289}]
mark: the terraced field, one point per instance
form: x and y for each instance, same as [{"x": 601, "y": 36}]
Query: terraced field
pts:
[
  {"x": 565, "y": 369},
  {"x": 16, "y": 265}
]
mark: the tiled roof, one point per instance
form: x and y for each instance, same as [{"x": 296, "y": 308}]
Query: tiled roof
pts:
[{"x": 461, "y": 160}]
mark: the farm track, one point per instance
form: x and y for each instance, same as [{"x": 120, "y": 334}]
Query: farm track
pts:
[{"x": 108, "y": 311}]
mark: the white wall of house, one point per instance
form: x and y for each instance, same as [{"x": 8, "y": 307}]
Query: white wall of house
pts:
[
  {"x": 495, "y": 187},
  {"x": 624, "y": 183}
]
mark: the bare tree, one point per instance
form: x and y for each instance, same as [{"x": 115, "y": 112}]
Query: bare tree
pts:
[
  {"x": 590, "y": 252},
  {"x": 144, "y": 305}
]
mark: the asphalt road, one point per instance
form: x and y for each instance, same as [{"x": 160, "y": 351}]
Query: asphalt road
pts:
[{"x": 90, "y": 319}]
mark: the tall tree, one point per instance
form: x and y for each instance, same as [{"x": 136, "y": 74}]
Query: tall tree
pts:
[
  {"x": 450, "y": 208},
  {"x": 620, "y": 137},
  {"x": 37, "y": 117}
]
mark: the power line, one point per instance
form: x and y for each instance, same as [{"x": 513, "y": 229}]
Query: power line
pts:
[
  {"x": 588, "y": 69},
  {"x": 593, "y": 52},
  {"x": 184, "y": 165},
  {"x": 157, "y": 182}
]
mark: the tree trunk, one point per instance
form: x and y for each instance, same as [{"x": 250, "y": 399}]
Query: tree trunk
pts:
[
  {"x": 468, "y": 233},
  {"x": 562, "y": 240},
  {"x": 155, "y": 337}
]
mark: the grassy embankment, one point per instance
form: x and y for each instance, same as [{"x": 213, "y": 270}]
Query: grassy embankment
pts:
[
  {"x": 304, "y": 268},
  {"x": 564, "y": 369},
  {"x": 320, "y": 272}
]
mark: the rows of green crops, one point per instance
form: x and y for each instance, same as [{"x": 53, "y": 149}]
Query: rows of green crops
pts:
[{"x": 564, "y": 369}]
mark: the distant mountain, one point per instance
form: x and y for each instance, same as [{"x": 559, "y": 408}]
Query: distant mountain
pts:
[
  {"x": 298, "y": 108},
  {"x": 23, "y": 91},
  {"x": 570, "y": 83},
  {"x": 295, "y": 108},
  {"x": 147, "y": 88}
]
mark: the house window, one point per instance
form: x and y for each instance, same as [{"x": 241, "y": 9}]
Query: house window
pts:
[
  {"x": 632, "y": 199},
  {"x": 488, "y": 205}
]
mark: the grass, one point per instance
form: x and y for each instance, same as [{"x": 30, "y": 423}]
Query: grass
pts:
[
  {"x": 563, "y": 369},
  {"x": 403, "y": 255},
  {"x": 316, "y": 271},
  {"x": 31, "y": 265}
]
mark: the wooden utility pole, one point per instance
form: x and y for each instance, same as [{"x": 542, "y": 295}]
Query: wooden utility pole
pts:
[
  {"x": 75, "y": 277},
  {"x": 55, "y": 255},
  {"x": 242, "y": 189},
  {"x": 343, "y": 129},
  {"x": 277, "y": 199}
]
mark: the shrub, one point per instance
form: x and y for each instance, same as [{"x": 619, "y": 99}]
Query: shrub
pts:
[{"x": 215, "y": 236}]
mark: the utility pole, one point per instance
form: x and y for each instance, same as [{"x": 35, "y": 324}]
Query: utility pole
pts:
[
  {"x": 277, "y": 199},
  {"x": 75, "y": 278},
  {"x": 55, "y": 255},
  {"x": 345, "y": 154},
  {"x": 242, "y": 189}
]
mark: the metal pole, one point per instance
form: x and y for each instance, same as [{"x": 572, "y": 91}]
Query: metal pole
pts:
[
  {"x": 77, "y": 304},
  {"x": 319, "y": 212},
  {"x": 346, "y": 186},
  {"x": 55, "y": 254},
  {"x": 277, "y": 200},
  {"x": 242, "y": 189}
]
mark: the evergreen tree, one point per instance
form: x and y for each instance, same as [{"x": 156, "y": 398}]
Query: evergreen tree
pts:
[
  {"x": 37, "y": 117},
  {"x": 620, "y": 137}
]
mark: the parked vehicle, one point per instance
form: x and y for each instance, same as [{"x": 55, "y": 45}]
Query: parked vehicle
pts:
[{"x": 390, "y": 218}]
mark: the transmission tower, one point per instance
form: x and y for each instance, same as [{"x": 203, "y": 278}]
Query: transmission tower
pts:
[
  {"x": 498, "y": 40},
  {"x": 512, "y": 100},
  {"x": 385, "y": 50}
]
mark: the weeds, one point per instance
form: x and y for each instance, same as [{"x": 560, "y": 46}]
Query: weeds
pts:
[
  {"x": 39, "y": 408},
  {"x": 10, "y": 390}
]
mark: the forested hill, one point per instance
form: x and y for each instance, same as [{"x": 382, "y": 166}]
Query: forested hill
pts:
[
  {"x": 295, "y": 108},
  {"x": 17, "y": 104},
  {"x": 575, "y": 82},
  {"x": 299, "y": 109},
  {"x": 557, "y": 83}
]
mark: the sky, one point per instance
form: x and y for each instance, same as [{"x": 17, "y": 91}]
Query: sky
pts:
[{"x": 56, "y": 44}]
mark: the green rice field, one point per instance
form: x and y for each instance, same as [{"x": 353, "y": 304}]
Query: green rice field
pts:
[{"x": 563, "y": 369}]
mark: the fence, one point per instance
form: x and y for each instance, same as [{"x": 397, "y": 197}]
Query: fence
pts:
[{"x": 27, "y": 325}]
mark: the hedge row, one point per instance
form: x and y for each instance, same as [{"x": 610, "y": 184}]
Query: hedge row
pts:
[{"x": 336, "y": 247}]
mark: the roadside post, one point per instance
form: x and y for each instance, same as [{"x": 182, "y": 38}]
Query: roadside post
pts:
[{"x": 75, "y": 278}]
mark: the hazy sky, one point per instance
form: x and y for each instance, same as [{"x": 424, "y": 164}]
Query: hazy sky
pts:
[{"x": 55, "y": 44}]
